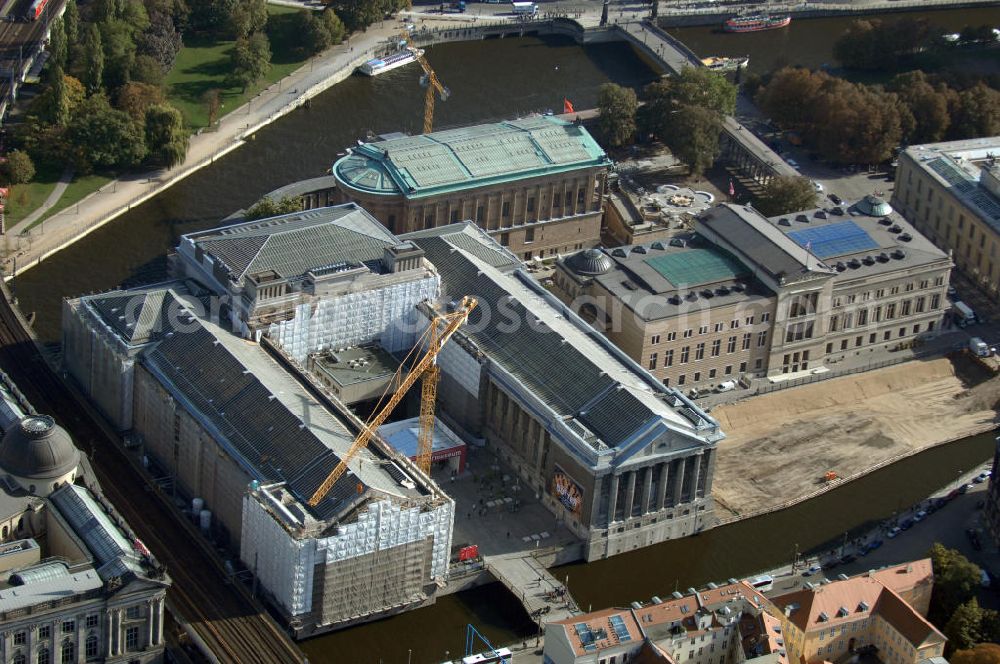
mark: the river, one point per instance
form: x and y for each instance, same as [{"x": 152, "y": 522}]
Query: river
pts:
[
  {"x": 809, "y": 42},
  {"x": 492, "y": 81}
]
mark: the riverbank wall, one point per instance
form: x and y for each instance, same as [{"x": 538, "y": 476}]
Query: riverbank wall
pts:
[{"x": 808, "y": 10}]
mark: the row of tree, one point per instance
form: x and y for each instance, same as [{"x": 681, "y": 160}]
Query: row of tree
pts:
[
  {"x": 876, "y": 45},
  {"x": 852, "y": 123},
  {"x": 685, "y": 112},
  {"x": 953, "y": 602}
]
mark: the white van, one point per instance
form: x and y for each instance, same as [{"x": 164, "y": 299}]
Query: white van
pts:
[
  {"x": 963, "y": 313},
  {"x": 726, "y": 386}
]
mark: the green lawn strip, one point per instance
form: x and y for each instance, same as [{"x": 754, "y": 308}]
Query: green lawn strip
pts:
[
  {"x": 78, "y": 189},
  {"x": 203, "y": 65},
  {"x": 25, "y": 198}
]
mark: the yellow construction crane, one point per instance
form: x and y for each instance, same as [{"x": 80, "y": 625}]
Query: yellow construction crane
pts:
[
  {"x": 442, "y": 327},
  {"x": 430, "y": 81}
]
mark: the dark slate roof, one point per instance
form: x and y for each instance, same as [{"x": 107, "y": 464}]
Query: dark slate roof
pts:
[
  {"x": 554, "y": 368},
  {"x": 758, "y": 243},
  {"x": 137, "y": 317},
  {"x": 293, "y": 244},
  {"x": 259, "y": 429}
]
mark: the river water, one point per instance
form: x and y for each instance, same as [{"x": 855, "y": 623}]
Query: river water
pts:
[{"x": 492, "y": 81}]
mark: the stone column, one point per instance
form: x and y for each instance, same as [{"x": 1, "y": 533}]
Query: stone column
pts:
[
  {"x": 595, "y": 505},
  {"x": 629, "y": 493},
  {"x": 109, "y": 630},
  {"x": 159, "y": 620},
  {"x": 661, "y": 490},
  {"x": 647, "y": 481},
  {"x": 710, "y": 470},
  {"x": 695, "y": 476},
  {"x": 679, "y": 484},
  {"x": 150, "y": 612},
  {"x": 613, "y": 498}
]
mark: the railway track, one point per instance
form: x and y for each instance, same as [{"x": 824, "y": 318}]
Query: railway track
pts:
[{"x": 233, "y": 627}]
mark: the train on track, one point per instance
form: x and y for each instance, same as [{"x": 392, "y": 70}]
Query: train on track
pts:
[{"x": 36, "y": 9}]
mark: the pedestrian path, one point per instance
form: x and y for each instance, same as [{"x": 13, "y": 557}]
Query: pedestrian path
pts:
[
  {"x": 50, "y": 201},
  {"x": 542, "y": 595}
]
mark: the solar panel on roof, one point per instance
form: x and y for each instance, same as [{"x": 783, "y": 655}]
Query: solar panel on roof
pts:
[
  {"x": 839, "y": 239},
  {"x": 621, "y": 631},
  {"x": 586, "y": 636}
]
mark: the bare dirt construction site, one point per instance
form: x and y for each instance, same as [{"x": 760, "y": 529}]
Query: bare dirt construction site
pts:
[{"x": 846, "y": 425}]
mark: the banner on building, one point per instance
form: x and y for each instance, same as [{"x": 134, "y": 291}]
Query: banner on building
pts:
[{"x": 569, "y": 493}]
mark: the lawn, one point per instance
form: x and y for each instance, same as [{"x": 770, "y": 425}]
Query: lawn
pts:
[
  {"x": 25, "y": 198},
  {"x": 78, "y": 189},
  {"x": 203, "y": 65}
]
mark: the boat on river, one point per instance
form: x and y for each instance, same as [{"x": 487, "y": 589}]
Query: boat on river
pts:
[
  {"x": 716, "y": 63},
  {"x": 756, "y": 23},
  {"x": 377, "y": 66}
]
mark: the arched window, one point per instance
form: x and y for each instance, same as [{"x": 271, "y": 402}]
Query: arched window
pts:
[
  {"x": 44, "y": 656},
  {"x": 91, "y": 647},
  {"x": 3, "y": 533},
  {"x": 68, "y": 652},
  {"x": 20, "y": 524}
]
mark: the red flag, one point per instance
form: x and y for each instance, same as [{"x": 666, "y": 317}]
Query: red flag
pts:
[
  {"x": 732, "y": 189},
  {"x": 567, "y": 106}
]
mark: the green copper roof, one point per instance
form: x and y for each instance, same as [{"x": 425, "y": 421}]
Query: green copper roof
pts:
[
  {"x": 696, "y": 267},
  {"x": 457, "y": 159}
]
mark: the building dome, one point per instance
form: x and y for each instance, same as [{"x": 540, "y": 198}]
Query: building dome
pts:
[
  {"x": 590, "y": 261},
  {"x": 38, "y": 448},
  {"x": 874, "y": 206}
]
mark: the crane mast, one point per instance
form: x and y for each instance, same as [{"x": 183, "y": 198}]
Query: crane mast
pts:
[
  {"x": 426, "y": 368},
  {"x": 430, "y": 81}
]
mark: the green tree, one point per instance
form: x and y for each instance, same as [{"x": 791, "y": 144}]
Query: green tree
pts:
[
  {"x": 251, "y": 59},
  {"x": 162, "y": 41},
  {"x": 147, "y": 70},
  {"x": 119, "y": 53},
  {"x": 93, "y": 58},
  {"x": 694, "y": 137},
  {"x": 334, "y": 26},
  {"x": 963, "y": 628},
  {"x": 786, "y": 194},
  {"x": 955, "y": 582},
  {"x": 166, "y": 139},
  {"x": 71, "y": 21},
  {"x": 699, "y": 87},
  {"x": 18, "y": 168},
  {"x": 312, "y": 34},
  {"x": 211, "y": 16},
  {"x": 53, "y": 104},
  {"x": 874, "y": 44},
  {"x": 268, "y": 207},
  {"x": 617, "y": 106},
  {"x": 977, "y": 113},
  {"x": 247, "y": 17},
  {"x": 788, "y": 98},
  {"x": 58, "y": 47},
  {"x": 103, "y": 137},
  {"x": 984, "y": 653},
  {"x": 359, "y": 14}
]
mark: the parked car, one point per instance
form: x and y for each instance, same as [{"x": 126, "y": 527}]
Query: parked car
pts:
[
  {"x": 817, "y": 186},
  {"x": 892, "y": 533},
  {"x": 848, "y": 559},
  {"x": 982, "y": 477},
  {"x": 874, "y": 544},
  {"x": 906, "y": 524},
  {"x": 831, "y": 564},
  {"x": 920, "y": 516},
  {"x": 965, "y": 488},
  {"x": 835, "y": 199},
  {"x": 812, "y": 570},
  {"x": 938, "y": 503}
]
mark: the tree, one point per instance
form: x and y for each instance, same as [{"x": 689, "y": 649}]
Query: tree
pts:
[
  {"x": 334, "y": 26},
  {"x": 166, "y": 139},
  {"x": 694, "y": 137},
  {"x": 699, "y": 87},
  {"x": 312, "y": 33},
  {"x": 71, "y": 21},
  {"x": 53, "y": 105},
  {"x": 927, "y": 106},
  {"x": 963, "y": 628},
  {"x": 147, "y": 70},
  {"x": 93, "y": 58},
  {"x": 162, "y": 41},
  {"x": 102, "y": 137},
  {"x": 268, "y": 207},
  {"x": 18, "y": 168},
  {"x": 617, "y": 106},
  {"x": 984, "y": 653},
  {"x": 247, "y": 17},
  {"x": 251, "y": 59},
  {"x": 213, "y": 103},
  {"x": 854, "y": 124},
  {"x": 136, "y": 98},
  {"x": 119, "y": 53},
  {"x": 211, "y": 16},
  {"x": 874, "y": 44},
  {"x": 788, "y": 97},
  {"x": 977, "y": 113},
  {"x": 955, "y": 582},
  {"x": 58, "y": 47},
  {"x": 786, "y": 194}
]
